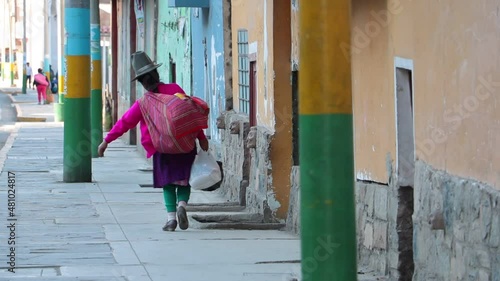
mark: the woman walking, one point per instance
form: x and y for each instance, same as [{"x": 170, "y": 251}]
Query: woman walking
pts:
[{"x": 170, "y": 171}]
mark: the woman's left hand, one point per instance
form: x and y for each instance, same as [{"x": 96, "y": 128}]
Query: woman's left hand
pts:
[{"x": 204, "y": 144}]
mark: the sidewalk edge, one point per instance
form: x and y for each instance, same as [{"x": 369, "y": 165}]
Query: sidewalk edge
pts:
[
  {"x": 7, "y": 146},
  {"x": 12, "y": 99},
  {"x": 21, "y": 118}
]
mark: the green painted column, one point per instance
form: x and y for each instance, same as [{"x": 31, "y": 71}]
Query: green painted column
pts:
[
  {"x": 77, "y": 146},
  {"x": 96, "y": 78},
  {"x": 25, "y": 79},
  {"x": 328, "y": 222}
]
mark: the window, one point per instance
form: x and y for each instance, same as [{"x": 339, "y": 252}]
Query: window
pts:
[{"x": 243, "y": 72}]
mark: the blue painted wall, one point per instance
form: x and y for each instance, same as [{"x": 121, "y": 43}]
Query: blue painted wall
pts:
[
  {"x": 207, "y": 34},
  {"x": 174, "y": 44}
]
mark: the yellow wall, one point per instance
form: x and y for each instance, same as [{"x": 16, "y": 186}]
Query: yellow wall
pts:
[
  {"x": 257, "y": 17},
  {"x": 373, "y": 97},
  {"x": 454, "y": 47}
]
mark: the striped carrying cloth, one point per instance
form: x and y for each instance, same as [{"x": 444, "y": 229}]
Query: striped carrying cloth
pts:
[{"x": 174, "y": 121}]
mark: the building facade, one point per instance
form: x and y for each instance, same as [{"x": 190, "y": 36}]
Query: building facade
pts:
[
  {"x": 426, "y": 129},
  {"x": 425, "y": 97},
  {"x": 211, "y": 65}
]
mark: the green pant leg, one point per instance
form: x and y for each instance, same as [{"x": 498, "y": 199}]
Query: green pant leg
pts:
[
  {"x": 183, "y": 193},
  {"x": 170, "y": 197}
]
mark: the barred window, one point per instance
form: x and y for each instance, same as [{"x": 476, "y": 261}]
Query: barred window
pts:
[{"x": 243, "y": 72}]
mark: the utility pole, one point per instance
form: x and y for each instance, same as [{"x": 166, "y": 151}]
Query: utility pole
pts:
[
  {"x": 12, "y": 17},
  {"x": 59, "y": 107},
  {"x": 2, "y": 44},
  {"x": 24, "y": 47},
  {"x": 54, "y": 58},
  {"x": 46, "y": 47},
  {"x": 328, "y": 223},
  {"x": 77, "y": 166},
  {"x": 96, "y": 77}
]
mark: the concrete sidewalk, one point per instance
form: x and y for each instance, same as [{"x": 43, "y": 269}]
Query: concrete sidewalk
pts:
[
  {"x": 26, "y": 105},
  {"x": 110, "y": 229}
]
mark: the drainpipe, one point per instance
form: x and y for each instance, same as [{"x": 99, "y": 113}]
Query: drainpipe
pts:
[
  {"x": 328, "y": 225},
  {"x": 96, "y": 77},
  {"x": 77, "y": 155}
]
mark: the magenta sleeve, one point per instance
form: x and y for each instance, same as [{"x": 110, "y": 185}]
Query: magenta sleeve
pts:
[
  {"x": 201, "y": 135},
  {"x": 128, "y": 121}
]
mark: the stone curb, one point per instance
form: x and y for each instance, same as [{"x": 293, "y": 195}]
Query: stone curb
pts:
[
  {"x": 8, "y": 145},
  {"x": 21, "y": 118},
  {"x": 9, "y": 92}
]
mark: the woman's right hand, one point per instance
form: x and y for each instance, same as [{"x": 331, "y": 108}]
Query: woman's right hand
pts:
[{"x": 102, "y": 147}]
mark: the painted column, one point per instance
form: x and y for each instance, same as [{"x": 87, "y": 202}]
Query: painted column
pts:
[
  {"x": 96, "y": 78},
  {"x": 77, "y": 152},
  {"x": 59, "y": 107},
  {"x": 328, "y": 224}
]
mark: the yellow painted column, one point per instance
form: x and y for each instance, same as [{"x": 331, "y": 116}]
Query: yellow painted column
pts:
[
  {"x": 77, "y": 143},
  {"x": 328, "y": 222}
]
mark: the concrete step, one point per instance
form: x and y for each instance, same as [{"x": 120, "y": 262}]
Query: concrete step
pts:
[
  {"x": 219, "y": 207},
  {"x": 233, "y": 220}
]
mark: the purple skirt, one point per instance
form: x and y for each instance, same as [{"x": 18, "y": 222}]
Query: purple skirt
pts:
[{"x": 170, "y": 168}]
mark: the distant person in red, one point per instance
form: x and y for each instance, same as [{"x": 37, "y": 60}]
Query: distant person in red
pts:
[{"x": 41, "y": 82}]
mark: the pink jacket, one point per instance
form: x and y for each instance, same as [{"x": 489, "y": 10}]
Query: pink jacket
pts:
[{"x": 133, "y": 116}]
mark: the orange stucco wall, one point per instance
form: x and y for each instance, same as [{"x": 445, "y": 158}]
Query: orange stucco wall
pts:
[
  {"x": 454, "y": 47},
  {"x": 281, "y": 147},
  {"x": 373, "y": 97}
]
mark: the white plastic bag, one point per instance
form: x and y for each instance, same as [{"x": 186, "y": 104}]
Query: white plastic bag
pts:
[{"x": 205, "y": 171}]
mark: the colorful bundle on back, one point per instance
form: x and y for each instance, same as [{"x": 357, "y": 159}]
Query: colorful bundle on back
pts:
[{"x": 174, "y": 121}]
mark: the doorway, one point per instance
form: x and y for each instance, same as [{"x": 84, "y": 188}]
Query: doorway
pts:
[{"x": 405, "y": 166}]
